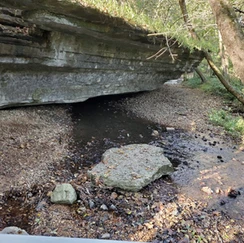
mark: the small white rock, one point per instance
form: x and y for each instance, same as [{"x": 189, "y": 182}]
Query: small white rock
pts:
[
  {"x": 155, "y": 133},
  {"x": 207, "y": 190},
  {"x": 104, "y": 207},
  {"x": 105, "y": 236},
  {"x": 13, "y": 230},
  {"x": 113, "y": 207}
]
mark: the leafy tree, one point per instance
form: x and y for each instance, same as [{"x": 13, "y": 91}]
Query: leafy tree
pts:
[
  {"x": 164, "y": 17},
  {"x": 224, "y": 80},
  {"x": 231, "y": 32}
]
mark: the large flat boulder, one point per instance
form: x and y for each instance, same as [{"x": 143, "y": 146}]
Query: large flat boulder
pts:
[
  {"x": 131, "y": 167},
  {"x": 62, "y": 52}
]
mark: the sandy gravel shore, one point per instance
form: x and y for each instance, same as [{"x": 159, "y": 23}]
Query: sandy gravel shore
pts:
[{"x": 176, "y": 106}]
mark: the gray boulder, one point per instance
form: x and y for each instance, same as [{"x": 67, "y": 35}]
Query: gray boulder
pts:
[
  {"x": 131, "y": 167},
  {"x": 64, "y": 194},
  {"x": 13, "y": 230}
]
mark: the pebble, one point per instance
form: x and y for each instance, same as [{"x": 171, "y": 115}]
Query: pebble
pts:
[
  {"x": 218, "y": 190},
  {"x": 64, "y": 194},
  {"x": 41, "y": 205},
  {"x": 104, "y": 207},
  {"x": 233, "y": 193},
  {"x": 155, "y": 133},
  {"x": 81, "y": 210},
  {"x": 91, "y": 204},
  {"x": 184, "y": 240},
  {"x": 120, "y": 197},
  {"x": 114, "y": 195},
  {"x": 168, "y": 129},
  {"x": 204, "y": 139},
  {"x": 113, "y": 207},
  {"x": 207, "y": 190},
  {"x": 105, "y": 236},
  {"x": 222, "y": 202}
]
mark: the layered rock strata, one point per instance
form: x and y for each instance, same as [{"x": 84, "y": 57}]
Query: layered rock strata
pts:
[{"x": 62, "y": 52}]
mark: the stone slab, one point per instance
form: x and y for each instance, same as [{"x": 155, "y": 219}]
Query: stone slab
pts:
[{"x": 131, "y": 167}]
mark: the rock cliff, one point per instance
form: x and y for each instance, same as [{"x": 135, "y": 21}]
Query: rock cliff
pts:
[{"x": 54, "y": 51}]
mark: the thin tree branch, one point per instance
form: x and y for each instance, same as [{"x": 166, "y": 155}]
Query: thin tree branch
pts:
[
  {"x": 238, "y": 10},
  {"x": 169, "y": 49},
  {"x": 160, "y": 52},
  {"x": 164, "y": 49}
]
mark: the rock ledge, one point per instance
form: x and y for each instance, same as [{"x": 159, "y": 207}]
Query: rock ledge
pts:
[{"x": 62, "y": 52}]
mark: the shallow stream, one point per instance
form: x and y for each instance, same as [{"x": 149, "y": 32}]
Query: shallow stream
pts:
[
  {"x": 200, "y": 160},
  {"x": 206, "y": 167}
]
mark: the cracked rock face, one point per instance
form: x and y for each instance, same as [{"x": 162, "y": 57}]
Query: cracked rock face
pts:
[
  {"x": 61, "y": 53},
  {"x": 131, "y": 167}
]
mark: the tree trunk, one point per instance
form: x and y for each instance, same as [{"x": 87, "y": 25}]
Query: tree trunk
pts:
[
  {"x": 208, "y": 57},
  {"x": 201, "y": 75},
  {"x": 223, "y": 79},
  {"x": 223, "y": 57},
  {"x": 231, "y": 32}
]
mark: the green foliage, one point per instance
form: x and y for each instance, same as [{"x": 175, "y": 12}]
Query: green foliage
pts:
[
  {"x": 194, "y": 82},
  {"x": 214, "y": 86},
  {"x": 233, "y": 125},
  {"x": 164, "y": 17}
]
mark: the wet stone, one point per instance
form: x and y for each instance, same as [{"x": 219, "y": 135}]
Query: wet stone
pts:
[{"x": 233, "y": 193}]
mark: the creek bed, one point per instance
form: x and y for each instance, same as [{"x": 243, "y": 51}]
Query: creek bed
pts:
[
  {"x": 104, "y": 122},
  {"x": 200, "y": 160}
]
